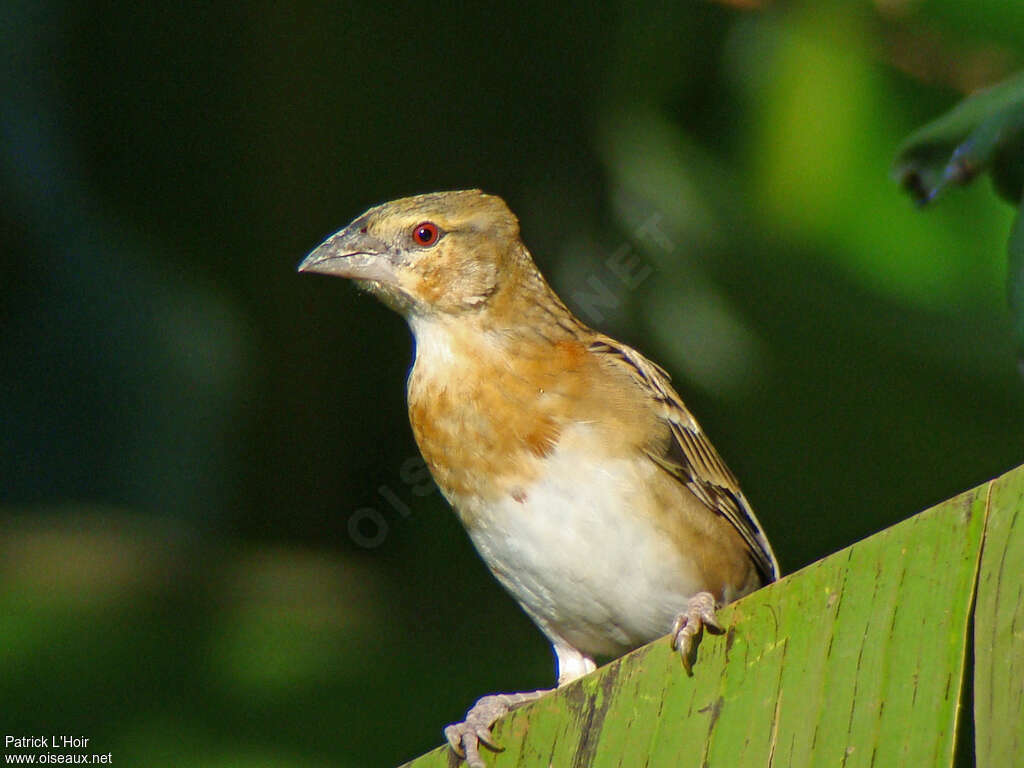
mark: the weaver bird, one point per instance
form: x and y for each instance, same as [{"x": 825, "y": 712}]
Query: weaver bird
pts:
[{"x": 585, "y": 484}]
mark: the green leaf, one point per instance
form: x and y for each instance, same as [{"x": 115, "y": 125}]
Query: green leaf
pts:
[
  {"x": 999, "y": 630},
  {"x": 984, "y": 132},
  {"x": 856, "y": 660}
]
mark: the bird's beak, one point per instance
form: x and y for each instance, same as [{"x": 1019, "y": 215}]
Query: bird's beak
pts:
[{"x": 353, "y": 254}]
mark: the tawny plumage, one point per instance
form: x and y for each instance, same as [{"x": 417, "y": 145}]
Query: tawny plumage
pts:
[{"x": 586, "y": 485}]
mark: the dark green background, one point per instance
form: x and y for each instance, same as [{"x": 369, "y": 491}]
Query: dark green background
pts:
[{"x": 187, "y": 426}]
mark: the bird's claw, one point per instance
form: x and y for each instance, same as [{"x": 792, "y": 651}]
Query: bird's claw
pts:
[
  {"x": 465, "y": 737},
  {"x": 686, "y": 631}
]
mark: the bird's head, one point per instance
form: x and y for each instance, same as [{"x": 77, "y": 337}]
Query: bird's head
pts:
[{"x": 443, "y": 252}]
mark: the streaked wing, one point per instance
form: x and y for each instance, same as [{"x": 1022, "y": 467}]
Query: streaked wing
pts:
[{"x": 690, "y": 456}]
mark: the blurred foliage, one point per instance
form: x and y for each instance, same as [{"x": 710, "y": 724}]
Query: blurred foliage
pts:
[
  {"x": 984, "y": 132},
  {"x": 189, "y": 427}
]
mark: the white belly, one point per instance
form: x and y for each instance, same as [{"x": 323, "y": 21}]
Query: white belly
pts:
[{"x": 582, "y": 556}]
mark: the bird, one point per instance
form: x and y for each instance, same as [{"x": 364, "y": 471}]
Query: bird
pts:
[{"x": 583, "y": 481}]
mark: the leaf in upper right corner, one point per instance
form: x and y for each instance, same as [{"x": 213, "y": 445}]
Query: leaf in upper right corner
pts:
[{"x": 983, "y": 132}]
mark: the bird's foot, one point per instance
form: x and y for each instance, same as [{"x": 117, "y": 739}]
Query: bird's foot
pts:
[
  {"x": 465, "y": 737},
  {"x": 686, "y": 631}
]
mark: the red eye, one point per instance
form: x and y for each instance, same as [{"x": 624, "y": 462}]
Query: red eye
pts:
[{"x": 425, "y": 234}]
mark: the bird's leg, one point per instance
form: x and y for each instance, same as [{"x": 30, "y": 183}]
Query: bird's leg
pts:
[
  {"x": 465, "y": 737},
  {"x": 572, "y": 664},
  {"x": 686, "y": 631}
]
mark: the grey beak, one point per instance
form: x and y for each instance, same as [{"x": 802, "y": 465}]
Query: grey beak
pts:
[{"x": 351, "y": 253}]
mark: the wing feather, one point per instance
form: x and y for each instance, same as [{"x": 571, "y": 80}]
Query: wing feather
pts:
[{"x": 691, "y": 458}]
